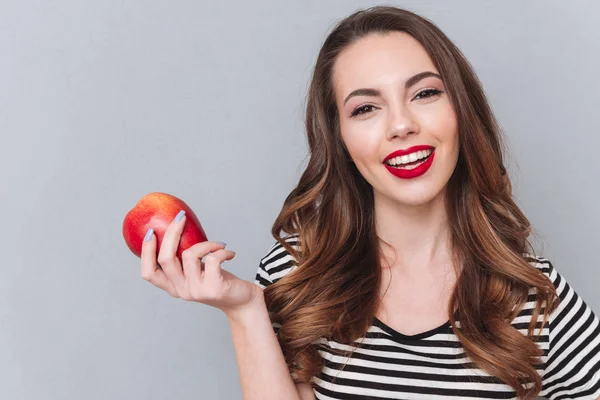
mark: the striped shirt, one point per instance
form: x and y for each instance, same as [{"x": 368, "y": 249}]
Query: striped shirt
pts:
[{"x": 433, "y": 364}]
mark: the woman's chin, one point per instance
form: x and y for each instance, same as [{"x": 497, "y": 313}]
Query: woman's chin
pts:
[{"x": 418, "y": 197}]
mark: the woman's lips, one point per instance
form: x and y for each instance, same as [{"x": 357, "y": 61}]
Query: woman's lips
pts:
[
  {"x": 404, "y": 152},
  {"x": 411, "y": 173}
]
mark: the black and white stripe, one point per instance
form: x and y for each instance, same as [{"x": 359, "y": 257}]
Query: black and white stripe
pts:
[{"x": 432, "y": 364}]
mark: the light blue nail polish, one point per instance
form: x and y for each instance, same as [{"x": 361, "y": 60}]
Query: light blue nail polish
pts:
[
  {"x": 179, "y": 216},
  {"x": 149, "y": 235},
  {"x": 223, "y": 243}
]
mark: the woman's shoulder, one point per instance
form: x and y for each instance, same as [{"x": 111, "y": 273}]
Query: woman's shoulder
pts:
[
  {"x": 543, "y": 264},
  {"x": 277, "y": 261}
]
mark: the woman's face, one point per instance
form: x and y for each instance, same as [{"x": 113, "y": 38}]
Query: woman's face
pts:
[{"x": 394, "y": 111}]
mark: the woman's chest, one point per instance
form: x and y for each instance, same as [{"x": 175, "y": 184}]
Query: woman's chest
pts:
[{"x": 415, "y": 306}]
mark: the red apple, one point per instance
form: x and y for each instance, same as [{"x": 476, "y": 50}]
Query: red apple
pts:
[{"x": 157, "y": 210}]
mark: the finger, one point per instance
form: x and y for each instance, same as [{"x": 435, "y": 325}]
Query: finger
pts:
[
  {"x": 167, "y": 255},
  {"x": 212, "y": 265},
  {"x": 192, "y": 259},
  {"x": 150, "y": 270}
]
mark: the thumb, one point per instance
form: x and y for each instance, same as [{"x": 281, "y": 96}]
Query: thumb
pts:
[{"x": 212, "y": 265}]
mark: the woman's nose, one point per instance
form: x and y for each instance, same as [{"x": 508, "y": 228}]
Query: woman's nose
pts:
[{"x": 401, "y": 122}]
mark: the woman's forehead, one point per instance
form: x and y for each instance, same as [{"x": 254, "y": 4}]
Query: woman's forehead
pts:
[{"x": 380, "y": 60}]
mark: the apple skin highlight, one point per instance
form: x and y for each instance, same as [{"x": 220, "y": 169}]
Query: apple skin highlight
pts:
[{"x": 157, "y": 210}]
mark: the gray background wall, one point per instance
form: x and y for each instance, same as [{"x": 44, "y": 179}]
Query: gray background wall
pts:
[{"x": 102, "y": 102}]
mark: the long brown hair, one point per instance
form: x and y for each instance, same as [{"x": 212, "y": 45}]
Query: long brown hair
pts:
[{"x": 334, "y": 292}]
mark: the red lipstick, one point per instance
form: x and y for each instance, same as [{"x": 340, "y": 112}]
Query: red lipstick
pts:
[
  {"x": 408, "y": 151},
  {"x": 410, "y": 173}
]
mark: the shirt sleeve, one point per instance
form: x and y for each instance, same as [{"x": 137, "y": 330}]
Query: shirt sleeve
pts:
[
  {"x": 276, "y": 263},
  {"x": 273, "y": 266},
  {"x": 573, "y": 365}
]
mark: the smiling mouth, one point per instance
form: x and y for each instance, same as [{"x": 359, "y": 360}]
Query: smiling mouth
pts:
[{"x": 409, "y": 165}]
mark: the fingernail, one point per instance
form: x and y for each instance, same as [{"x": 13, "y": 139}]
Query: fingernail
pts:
[
  {"x": 149, "y": 235},
  {"x": 223, "y": 243},
  {"x": 179, "y": 216}
]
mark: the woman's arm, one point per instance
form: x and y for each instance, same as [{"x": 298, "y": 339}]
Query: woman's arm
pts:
[{"x": 264, "y": 374}]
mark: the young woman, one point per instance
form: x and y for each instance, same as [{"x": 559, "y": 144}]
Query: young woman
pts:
[{"x": 405, "y": 270}]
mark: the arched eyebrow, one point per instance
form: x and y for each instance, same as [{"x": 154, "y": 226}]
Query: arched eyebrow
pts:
[{"x": 409, "y": 82}]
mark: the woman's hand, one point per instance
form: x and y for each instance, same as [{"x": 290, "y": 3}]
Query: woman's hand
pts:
[{"x": 203, "y": 282}]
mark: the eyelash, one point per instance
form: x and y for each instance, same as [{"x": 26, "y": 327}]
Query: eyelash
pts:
[{"x": 435, "y": 92}]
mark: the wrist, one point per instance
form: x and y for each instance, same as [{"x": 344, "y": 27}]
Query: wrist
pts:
[{"x": 248, "y": 312}]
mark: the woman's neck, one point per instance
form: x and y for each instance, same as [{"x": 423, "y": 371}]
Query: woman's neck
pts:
[{"x": 419, "y": 235}]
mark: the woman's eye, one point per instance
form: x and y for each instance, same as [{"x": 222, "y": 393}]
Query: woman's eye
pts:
[
  {"x": 360, "y": 110},
  {"x": 429, "y": 92},
  {"x": 423, "y": 94}
]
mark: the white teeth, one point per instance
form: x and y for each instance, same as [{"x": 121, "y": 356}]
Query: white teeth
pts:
[
  {"x": 409, "y": 158},
  {"x": 409, "y": 166}
]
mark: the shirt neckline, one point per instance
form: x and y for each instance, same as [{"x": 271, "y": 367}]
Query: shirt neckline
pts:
[{"x": 444, "y": 328}]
